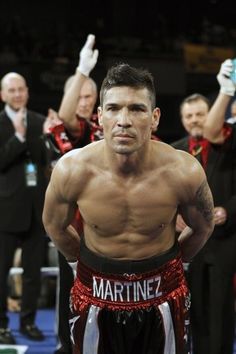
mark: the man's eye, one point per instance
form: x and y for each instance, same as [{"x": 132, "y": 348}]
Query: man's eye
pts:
[{"x": 137, "y": 109}]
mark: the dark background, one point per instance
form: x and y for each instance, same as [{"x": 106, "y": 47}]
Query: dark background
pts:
[{"x": 42, "y": 39}]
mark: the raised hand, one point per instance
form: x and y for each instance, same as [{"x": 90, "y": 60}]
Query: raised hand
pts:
[
  {"x": 226, "y": 84},
  {"x": 88, "y": 56}
]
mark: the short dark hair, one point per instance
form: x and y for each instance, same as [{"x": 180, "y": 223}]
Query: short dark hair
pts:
[
  {"x": 193, "y": 98},
  {"x": 125, "y": 75}
]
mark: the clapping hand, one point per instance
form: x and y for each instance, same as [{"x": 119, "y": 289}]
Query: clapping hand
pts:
[
  {"x": 20, "y": 122},
  {"x": 51, "y": 121},
  {"x": 220, "y": 215}
]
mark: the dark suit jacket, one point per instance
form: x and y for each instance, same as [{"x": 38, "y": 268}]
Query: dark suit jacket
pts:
[
  {"x": 220, "y": 172},
  {"x": 210, "y": 275},
  {"x": 17, "y": 201}
]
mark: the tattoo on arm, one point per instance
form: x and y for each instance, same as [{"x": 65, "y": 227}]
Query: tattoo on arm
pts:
[{"x": 204, "y": 201}]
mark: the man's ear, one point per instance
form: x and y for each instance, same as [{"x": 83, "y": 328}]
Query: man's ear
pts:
[
  {"x": 156, "y": 114},
  {"x": 99, "y": 111},
  {"x": 2, "y": 96}
]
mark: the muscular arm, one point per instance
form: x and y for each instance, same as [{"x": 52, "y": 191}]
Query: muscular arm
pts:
[
  {"x": 87, "y": 61},
  {"x": 67, "y": 111},
  {"x": 216, "y": 117},
  {"x": 215, "y": 120},
  {"x": 59, "y": 211},
  {"x": 198, "y": 213}
]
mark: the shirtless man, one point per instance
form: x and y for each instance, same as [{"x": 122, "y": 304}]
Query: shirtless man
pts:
[{"x": 130, "y": 295}]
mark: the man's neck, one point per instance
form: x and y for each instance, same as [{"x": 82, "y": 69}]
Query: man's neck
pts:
[{"x": 128, "y": 164}]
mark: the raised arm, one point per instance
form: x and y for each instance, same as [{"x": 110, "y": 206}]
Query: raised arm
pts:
[
  {"x": 88, "y": 60},
  {"x": 59, "y": 211},
  {"x": 216, "y": 117},
  {"x": 197, "y": 212}
]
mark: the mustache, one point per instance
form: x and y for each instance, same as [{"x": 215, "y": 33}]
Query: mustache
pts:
[
  {"x": 124, "y": 132},
  {"x": 197, "y": 125}
]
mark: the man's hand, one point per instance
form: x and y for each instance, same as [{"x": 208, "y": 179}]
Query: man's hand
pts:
[
  {"x": 88, "y": 56},
  {"x": 51, "y": 121},
  {"x": 220, "y": 215},
  {"x": 226, "y": 84},
  {"x": 180, "y": 224},
  {"x": 20, "y": 123}
]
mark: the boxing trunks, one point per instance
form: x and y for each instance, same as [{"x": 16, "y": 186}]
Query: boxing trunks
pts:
[{"x": 130, "y": 307}]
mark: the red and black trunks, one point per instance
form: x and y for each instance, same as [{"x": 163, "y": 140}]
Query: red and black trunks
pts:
[{"x": 130, "y": 307}]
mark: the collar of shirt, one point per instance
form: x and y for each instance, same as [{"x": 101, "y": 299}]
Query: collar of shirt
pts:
[
  {"x": 199, "y": 146},
  {"x": 12, "y": 114},
  {"x": 195, "y": 143}
]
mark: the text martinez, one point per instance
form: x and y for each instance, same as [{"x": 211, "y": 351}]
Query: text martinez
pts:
[{"x": 127, "y": 291}]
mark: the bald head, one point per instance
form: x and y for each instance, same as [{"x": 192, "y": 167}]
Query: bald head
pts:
[
  {"x": 88, "y": 80},
  {"x": 87, "y": 97},
  {"x": 14, "y": 91},
  {"x": 11, "y": 76}
]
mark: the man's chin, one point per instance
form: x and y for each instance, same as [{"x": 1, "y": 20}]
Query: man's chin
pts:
[
  {"x": 84, "y": 115},
  {"x": 123, "y": 150},
  {"x": 197, "y": 134},
  {"x": 17, "y": 108}
]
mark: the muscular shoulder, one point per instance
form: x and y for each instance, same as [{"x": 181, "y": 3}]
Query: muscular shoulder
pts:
[
  {"x": 183, "y": 171},
  {"x": 81, "y": 159},
  {"x": 73, "y": 170},
  {"x": 190, "y": 172},
  {"x": 175, "y": 158},
  {"x": 187, "y": 163}
]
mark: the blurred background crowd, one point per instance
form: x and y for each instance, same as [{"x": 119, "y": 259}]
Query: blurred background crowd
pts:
[{"x": 182, "y": 46}]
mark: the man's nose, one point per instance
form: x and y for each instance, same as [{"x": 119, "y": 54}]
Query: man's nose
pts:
[
  {"x": 124, "y": 119},
  {"x": 18, "y": 93},
  {"x": 83, "y": 101},
  {"x": 194, "y": 119}
]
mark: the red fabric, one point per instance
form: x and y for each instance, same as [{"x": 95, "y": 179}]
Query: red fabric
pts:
[
  {"x": 61, "y": 138},
  {"x": 199, "y": 146},
  {"x": 119, "y": 295},
  {"x": 64, "y": 142},
  {"x": 96, "y": 129},
  {"x": 78, "y": 223},
  {"x": 227, "y": 131},
  {"x": 81, "y": 125},
  {"x": 171, "y": 281}
]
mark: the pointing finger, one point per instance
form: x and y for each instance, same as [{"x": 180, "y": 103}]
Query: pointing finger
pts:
[{"x": 90, "y": 41}]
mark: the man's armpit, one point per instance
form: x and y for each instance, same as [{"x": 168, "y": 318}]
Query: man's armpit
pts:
[{"x": 204, "y": 203}]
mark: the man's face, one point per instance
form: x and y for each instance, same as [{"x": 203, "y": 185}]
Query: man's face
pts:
[
  {"x": 194, "y": 116},
  {"x": 127, "y": 118},
  {"x": 15, "y": 93},
  {"x": 87, "y": 100}
]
